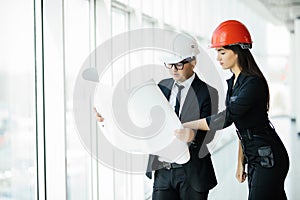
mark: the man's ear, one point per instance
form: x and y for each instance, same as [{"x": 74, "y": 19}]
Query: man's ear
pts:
[{"x": 194, "y": 62}]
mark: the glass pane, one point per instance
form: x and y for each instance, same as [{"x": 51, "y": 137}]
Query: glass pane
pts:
[
  {"x": 147, "y": 23},
  {"x": 77, "y": 49},
  {"x": 119, "y": 21},
  {"x": 17, "y": 101},
  {"x": 119, "y": 68},
  {"x": 122, "y": 1},
  {"x": 147, "y": 7}
]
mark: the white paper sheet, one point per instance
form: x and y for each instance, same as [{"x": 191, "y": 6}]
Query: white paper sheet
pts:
[{"x": 153, "y": 122}]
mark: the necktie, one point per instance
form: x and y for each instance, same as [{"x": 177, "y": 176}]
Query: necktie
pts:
[{"x": 178, "y": 97}]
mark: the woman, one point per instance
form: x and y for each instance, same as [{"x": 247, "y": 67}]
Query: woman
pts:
[{"x": 247, "y": 105}]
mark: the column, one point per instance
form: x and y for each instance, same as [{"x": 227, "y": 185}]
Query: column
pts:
[{"x": 296, "y": 93}]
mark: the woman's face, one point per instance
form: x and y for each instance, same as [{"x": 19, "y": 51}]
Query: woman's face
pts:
[{"x": 227, "y": 58}]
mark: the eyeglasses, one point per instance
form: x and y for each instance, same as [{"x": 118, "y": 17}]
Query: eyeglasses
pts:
[{"x": 180, "y": 65}]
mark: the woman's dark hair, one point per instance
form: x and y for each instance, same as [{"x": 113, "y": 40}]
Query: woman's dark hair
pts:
[{"x": 249, "y": 66}]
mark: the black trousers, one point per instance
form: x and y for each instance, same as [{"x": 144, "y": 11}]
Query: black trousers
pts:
[
  {"x": 173, "y": 184},
  {"x": 268, "y": 164}
]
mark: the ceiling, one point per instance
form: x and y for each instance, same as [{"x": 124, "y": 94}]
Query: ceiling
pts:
[{"x": 284, "y": 11}]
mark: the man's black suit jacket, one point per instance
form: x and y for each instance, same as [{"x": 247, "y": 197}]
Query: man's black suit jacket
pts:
[{"x": 201, "y": 101}]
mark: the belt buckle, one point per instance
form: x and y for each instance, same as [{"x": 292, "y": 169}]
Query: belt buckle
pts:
[{"x": 167, "y": 166}]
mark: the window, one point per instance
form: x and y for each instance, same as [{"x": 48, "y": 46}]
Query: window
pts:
[
  {"x": 77, "y": 48},
  {"x": 17, "y": 101}
]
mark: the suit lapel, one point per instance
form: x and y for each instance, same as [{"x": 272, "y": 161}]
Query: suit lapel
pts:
[
  {"x": 229, "y": 89},
  {"x": 238, "y": 84}
]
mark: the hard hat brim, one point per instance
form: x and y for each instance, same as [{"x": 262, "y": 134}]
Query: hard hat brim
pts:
[{"x": 173, "y": 59}]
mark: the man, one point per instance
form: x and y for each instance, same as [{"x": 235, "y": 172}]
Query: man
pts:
[
  {"x": 194, "y": 179},
  {"x": 192, "y": 99}
]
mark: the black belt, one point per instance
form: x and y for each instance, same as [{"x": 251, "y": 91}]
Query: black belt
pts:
[{"x": 169, "y": 166}]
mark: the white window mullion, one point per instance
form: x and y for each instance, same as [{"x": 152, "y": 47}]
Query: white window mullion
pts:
[
  {"x": 39, "y": 73},
  {"x": 94, "y": 141}
]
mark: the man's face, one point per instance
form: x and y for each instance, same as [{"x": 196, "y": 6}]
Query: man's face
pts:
[{"x": 183, "y": 74}]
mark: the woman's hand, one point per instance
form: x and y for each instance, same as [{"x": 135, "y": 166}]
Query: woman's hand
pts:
[
  {"x": 98, "y": 116},
  {"x": 240, "y": 174},
  {"x": 185, "y": 134}
]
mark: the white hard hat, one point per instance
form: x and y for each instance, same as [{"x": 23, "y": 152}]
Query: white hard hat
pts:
[{"x": 183, "y": 46}]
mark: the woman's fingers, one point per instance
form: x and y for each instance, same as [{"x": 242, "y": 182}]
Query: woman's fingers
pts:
[
  {"x": 240, "y": 174},
  {"x": 241, "y": 177},
  {"x": 244, "y": 176}
]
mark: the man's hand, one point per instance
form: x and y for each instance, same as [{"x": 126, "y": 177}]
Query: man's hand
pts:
[
  {"x": 185, "y": 134},
  {"x": 98, "y": 116}
]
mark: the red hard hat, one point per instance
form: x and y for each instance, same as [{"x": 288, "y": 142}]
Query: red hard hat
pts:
[{"x": 229, "y": 33}]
